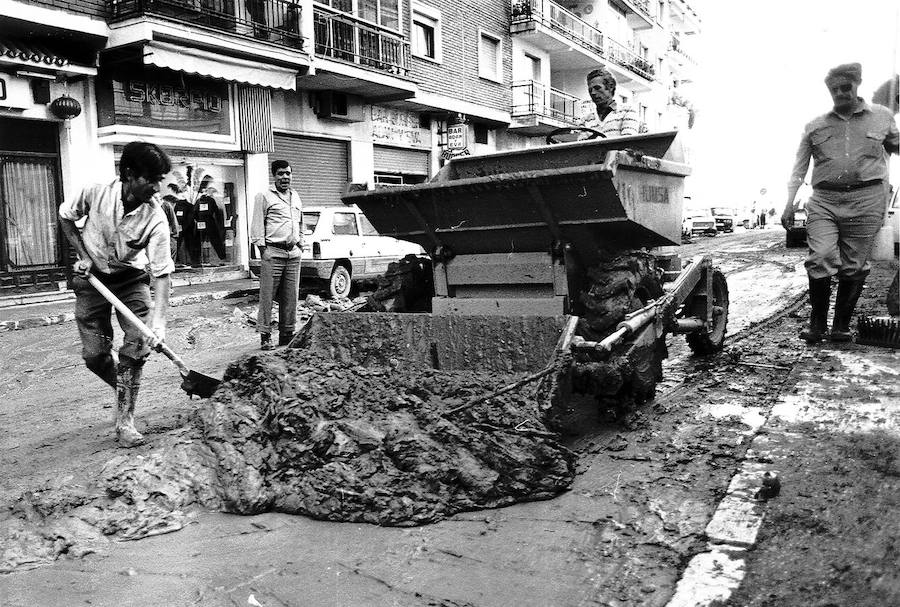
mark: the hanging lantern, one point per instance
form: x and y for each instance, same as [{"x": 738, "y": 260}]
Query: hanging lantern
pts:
[{"x": 65, "y": 107}]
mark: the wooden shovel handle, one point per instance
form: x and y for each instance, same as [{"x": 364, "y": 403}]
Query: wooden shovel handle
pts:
[{"x": 137, "y": 322}]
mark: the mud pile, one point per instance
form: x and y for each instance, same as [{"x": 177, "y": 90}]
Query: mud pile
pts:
[{"x": 294, "y": 433}]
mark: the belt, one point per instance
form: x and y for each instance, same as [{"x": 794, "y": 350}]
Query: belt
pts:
[
  {"x": 847, "y": 187},
  {"x": 281, "y": 245}
]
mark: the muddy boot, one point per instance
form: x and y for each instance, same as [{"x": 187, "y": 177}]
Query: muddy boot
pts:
[
  {"x": 844, "y": 305},
  {"x": 104, "y": 367},
  {"x": 129, "y": 379},
  {"x": 265, "y": 341},
  {"x": 819, "y": 294},
  {"x": 285, "y": 338}
]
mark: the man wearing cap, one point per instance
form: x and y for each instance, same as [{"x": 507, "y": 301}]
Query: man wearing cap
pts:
[
  {"x": 611, "y": 119},
  {"x": 849, "y": 147}
]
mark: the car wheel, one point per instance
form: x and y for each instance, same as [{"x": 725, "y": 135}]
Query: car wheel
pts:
[{"x": 339, "y": 283}]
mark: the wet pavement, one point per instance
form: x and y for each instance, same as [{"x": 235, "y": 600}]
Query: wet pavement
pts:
[{"x": 649, "y": 519}]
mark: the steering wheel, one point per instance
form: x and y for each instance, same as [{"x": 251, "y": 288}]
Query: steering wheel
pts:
[{"x": 578, "y": 133}]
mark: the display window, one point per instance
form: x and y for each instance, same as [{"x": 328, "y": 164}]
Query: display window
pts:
[{"x": 202, "y": 208}]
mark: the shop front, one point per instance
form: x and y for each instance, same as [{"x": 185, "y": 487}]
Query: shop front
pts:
[
  {"x": 401, "y": 153},
  {"x": 193, "y": 119}
]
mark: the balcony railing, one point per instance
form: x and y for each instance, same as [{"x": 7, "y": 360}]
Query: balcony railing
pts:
[
  {"x": 531, "y": 98},
  {"x": 555, "y": 17},
  {"x": 275, "y": 21},
  {"x": 676, "y": 45},
  {"x": 625, "y": 57},
  {"x": 559, "y": 19},
  {"x": 344, "y": 37}
]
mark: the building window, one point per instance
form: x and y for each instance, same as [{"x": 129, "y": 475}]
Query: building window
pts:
[
  {"x": 393, "y": 180},
  {"x": 481, "y": 133},
  {"x": 535, "y": 64},
  {"x": 382, "y": 12},
  {"x": 426, "y": 32},
  {"x": 489, "y": 57}
]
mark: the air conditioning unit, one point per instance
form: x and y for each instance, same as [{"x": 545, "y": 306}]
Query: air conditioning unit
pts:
[{"x": 335, "y": 106}]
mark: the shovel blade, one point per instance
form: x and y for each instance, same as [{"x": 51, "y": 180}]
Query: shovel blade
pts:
[{"x": 199, "y": 384}]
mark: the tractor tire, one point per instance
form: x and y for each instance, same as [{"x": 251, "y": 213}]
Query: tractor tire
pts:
[
  {"x": 339, "y": 284},
  {"x": 710, "y": 341},
  {"x": 627, "y": 378}
]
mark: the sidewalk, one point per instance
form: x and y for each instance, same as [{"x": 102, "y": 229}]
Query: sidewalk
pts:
[{"x": 62, "y": 310}]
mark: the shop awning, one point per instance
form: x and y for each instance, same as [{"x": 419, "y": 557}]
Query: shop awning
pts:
[{"x": 222, "y": 67}]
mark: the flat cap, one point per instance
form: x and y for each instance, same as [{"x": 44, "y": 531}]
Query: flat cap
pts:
[{"x": 851, "y": 71}]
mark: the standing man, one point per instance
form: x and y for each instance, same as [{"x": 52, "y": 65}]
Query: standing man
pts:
[
  {"x": 275, "y": 230},
  {"x": 849, "y": 146},
  {"x": 610, "y": 119},
  {"x": 125, "y": 235}
]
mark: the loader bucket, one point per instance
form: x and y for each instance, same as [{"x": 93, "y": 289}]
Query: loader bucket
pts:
[{"x": 515, "y": 344}]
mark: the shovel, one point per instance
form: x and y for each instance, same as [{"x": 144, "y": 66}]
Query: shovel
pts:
[{"x": 192, "y": 382}]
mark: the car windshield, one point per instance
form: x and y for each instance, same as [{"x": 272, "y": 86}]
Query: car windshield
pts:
[
  {"x": 367, "y": 228},
  {"x": 721, "y": 211},
  {"x": 310, "y": 219}
]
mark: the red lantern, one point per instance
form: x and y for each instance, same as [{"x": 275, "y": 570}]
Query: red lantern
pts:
[{"x": 65, "y": 107}]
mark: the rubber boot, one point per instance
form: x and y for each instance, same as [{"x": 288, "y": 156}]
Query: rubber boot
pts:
[
  {"x": 103, "y": 367},
  {"x": 128, "y": 381},
  {"x": 847, "y": 295},
  {"x": 819, "y": 294},
  {"x": 285, "y": 338}
]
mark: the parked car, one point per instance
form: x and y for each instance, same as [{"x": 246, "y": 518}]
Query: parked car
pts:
[
  {"x": 703, "y": 223},
  {"x": 796, "y": 234},
  {"x": 724, "y": 217},
  {"x": 340, "y": 247}
]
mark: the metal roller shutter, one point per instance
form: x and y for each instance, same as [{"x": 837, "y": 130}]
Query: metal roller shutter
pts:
[
  {"x": 400, "y": 160},
  {"x": 320, "y": 166}
]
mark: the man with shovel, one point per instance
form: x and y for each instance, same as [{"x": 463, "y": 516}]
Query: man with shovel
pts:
[{"x": 125, "y": 236}]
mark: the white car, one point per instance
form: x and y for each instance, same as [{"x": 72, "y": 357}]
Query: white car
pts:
[{"x": 341, "y": 246}]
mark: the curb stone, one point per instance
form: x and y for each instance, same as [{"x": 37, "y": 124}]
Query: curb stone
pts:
[{"x": 184, "y": 300}]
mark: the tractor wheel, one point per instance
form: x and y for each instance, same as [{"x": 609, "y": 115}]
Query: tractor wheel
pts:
[
  {"x": 711, "y": 340},
  {"x": 617, "y": 287},
  {"x": 339, "y": 284}
]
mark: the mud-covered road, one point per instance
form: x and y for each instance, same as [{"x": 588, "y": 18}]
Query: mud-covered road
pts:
[{"x": 635, "y": 520}]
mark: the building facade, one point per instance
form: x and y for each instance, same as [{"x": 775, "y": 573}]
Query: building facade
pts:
[{"x": 381, "y": 92}]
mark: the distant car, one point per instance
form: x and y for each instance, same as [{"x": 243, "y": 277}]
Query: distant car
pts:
[
  {"x": 341, "y": 247},
  {"x": 796, "y": 234},
  {"x": 725, "y": 218},
  {"x": 703, "y": 223}
]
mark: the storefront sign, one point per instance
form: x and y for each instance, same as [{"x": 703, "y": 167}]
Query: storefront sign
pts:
[
  {"x": 397, "y": 127},
  {"x": 15, "y": 92},
  {"x": 163, "y": 99},
  {"x": 457, "y": 137}
]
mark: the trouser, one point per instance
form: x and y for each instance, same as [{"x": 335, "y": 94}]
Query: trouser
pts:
[
  {"x": 93, "y": 316},
  {"x": 278, "y": 276},
  {"x": 840, "y": 231}
]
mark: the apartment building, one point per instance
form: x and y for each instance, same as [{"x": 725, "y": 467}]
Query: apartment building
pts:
[{"x": 367, "y": 91}]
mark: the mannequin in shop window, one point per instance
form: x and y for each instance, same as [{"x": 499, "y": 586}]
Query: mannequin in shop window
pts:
[{"x": 204, "y": 221}]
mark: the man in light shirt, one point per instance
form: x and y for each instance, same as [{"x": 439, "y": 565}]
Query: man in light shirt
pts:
[
  {"x": 849, "y": 147},
  {"x": 125, "y": 236},
  {"x": 610, "y": 119},
  {"x": 275, "y": 230}
]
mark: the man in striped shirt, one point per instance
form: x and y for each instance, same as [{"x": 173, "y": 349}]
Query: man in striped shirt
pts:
[{"x": 610, "y": 119}]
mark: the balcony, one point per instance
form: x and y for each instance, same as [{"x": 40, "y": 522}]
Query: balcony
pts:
[
  {"x": 348, "y": 39},
  {"x": 558, "y": 31},
  {"x": 637, "y": 13},
  {"x": 528, "y": 15},
  {"x": 537, "y": 110},
  {"x": 274, "y": 21},
  {"x": 678, "y": 54}
]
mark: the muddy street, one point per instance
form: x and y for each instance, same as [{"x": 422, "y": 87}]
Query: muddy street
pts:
[{"x": 660, "y": 511}]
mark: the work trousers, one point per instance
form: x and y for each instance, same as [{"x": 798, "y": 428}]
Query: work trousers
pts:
[
  {"x": 93, "y": 315},
  {"x": 278, "y": 276},
  {"x": 841, "y": 229}
]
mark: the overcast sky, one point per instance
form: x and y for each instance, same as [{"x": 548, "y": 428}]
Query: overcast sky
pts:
[{"x": 761, "y": 80}]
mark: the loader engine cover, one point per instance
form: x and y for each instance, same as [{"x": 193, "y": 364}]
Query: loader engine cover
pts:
[{"x": 293, "y": 432}]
